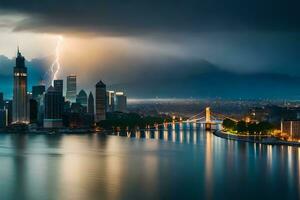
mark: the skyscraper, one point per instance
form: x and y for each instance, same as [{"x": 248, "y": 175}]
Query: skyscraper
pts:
[
  {"x": 71, "y": 88},
  {"x": 3, "y": 112},
  {"x": 100, "y": 101},
  {"x": 3, "y": 118},
  {"x": 1, "y": 101},
  {"x": 8, "y": 108},
  {"x": 53, "y": 103},
  {"x": 37, "y": 90},
  {"x": 33, "y": 111},
  {"x": 59, "y": 86},
  {"x": 121, "y": 102},
  {"x": 110, "y": 101},
  {"x": 91, "y": 109},
  {"x": 82, "y": 99},
  {"x": 20, "y": 101}
]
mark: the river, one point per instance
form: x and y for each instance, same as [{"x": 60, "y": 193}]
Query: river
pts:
[{"x": 180, "y": 163}]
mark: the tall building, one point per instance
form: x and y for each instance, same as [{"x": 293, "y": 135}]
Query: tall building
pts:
[
  {"x": 91, "y": 109},
  {"x": 53, "y": 103},
  {"x": 291, "y": 128},
  {"x": 20, "y": 101},
  {"x": 33, "y": 111},
  {"x": 121, "y": 102},
  {"x": 1, "y": 101},
  {"x": 3, "y": 113},
  {"x": 3, "y": 118},
  {"x": 40, "y": 110},
  {"x": 37, "y": 90},
  {"x": 71, "y": 88},
  {"x": 110, "y": 101},
  {"x": 100, "y": 101},
  {"x": 59, "y": 86},
  {"x": 82, "y": 99},
  {"x": 8, "y": 108}
]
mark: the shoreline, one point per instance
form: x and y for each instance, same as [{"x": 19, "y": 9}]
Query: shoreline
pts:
[
  {"x": 264, "y": 140},
  {"x": 49, "y": 132}
]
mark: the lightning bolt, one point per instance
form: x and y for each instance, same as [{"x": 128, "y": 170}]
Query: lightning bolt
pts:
[{"x": 55, "y": 66}]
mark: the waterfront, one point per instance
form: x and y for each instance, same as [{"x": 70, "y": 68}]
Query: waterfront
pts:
[{"x": 185, "y": 163}]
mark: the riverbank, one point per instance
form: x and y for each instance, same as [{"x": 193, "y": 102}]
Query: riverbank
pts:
[
  {"x": 49, "y": 131},
  {"x": 268, "y": 140}
]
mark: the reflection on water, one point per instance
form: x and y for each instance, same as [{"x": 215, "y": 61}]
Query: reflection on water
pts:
[{"x": 183, "y": 162}]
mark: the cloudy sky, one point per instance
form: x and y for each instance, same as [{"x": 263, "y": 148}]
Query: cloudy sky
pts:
[{"x": 163, "y": 48}]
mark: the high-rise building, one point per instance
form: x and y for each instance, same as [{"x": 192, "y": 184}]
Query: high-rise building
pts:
[
  {"x": 82, "y": 99},
  {"x": 110, "y": 101},
  {"x": 41, "y": 109},
  {"x": 100, "y": 101},
  {"x": 20, "y": 101},
  {"x": 33, "y": 105},
  {"x": 37, "y": 90},
  {"x": 8, "y": 108},
  {"x": 1, "y": 101},
  {"x": 121, "y": 102},
  {"x": 91, "y": 109},
  {"x": 3, "y": 118},
  {"x": 53, "y": 103},
  {"x": 71, "y": 88},
  {"x": 59, "y": 86},
  {"x": 3, "y": 112}
]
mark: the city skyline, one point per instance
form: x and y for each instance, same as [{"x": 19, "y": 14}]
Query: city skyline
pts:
[
  {"x": 47, "y": 107},
  {"x": 149, "y": 99}
]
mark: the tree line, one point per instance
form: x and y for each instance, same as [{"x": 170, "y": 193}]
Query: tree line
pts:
[{"x": 242, "y": 127}]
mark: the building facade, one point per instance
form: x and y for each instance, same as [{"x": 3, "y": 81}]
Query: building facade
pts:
[
  {"x": 82, "y": 99},
  {"x": 20, "y": 100},
  {"x": 53, "y": 104},
  {"x": 8, "y": 108},
  {"x": 1, "y": 101},
  {"x": 110, "y": 101},
  {"x": 121, "y": 102},
  {"x": 91, "y": 104},
  {"x": 291, "y": 128},
  {"x": 33, "y": 110},
  {"x": 71, "y": 88},
  {"x": 3, "y": 118},
  {"x": 100, "y": 101},
  {"x": 59, "y": 86}
]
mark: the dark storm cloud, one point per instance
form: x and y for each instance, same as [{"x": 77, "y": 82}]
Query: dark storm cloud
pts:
[{"x": 136, "y": 16}]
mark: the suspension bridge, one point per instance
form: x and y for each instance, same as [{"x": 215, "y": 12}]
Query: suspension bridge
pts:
[{"x": 206, "y": 118}]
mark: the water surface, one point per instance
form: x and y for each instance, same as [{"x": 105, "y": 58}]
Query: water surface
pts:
[{"x": 186, "y": 163}]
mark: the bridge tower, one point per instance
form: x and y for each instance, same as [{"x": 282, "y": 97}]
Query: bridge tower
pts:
[{"x": 207, "y": 118}]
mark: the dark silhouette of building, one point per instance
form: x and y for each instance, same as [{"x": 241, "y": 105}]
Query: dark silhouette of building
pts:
[
  {"x": 3, "y": 118},
  {"x": 100, "y": 101},
  {"x": 37, "y": 90},
  {"x": 33, "y": 105},
  {"x": 1, "y": 101},
  {"x": 121, "y": 102},
  {"x": 82, "y": 99},
  {"x": 20, "y": 101},
  {"x": 53, "y": 103},
  {"x": 3, "y": 112},
  {"x": 91, "y": 109},
  {"x": 71, "y": 89},
  {"x": 59, "y": 86},
  {"x": 8, "y": 108},
  {"x": 78, "y": 108}
]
